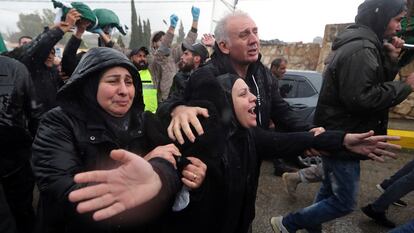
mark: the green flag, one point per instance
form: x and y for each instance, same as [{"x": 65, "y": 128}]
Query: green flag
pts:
[{"x": 3, "y": 47}]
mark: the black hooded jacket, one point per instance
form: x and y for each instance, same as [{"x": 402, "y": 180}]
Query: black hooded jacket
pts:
[
  {"x": 233, "y": 154},
  {"x": 46, "y": 80},
  {"x": 19, "y": 115},
  {"x": 358, "y": 87},
  {"x": 75, "y": 137},
  {"x": 270, "y": 105}
]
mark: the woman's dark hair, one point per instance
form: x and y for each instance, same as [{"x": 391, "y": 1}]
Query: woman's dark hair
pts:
[{"x": 157, "y": 36}]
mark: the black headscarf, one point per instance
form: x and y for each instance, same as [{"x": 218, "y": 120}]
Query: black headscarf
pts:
[
  {"x": 376, "y": 14},
  {"x": 78, "y": 95},
  {"x": 88, "y": 96}
]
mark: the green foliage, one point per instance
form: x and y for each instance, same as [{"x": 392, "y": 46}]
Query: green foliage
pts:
[
  {"x": 147, "y": 33},
  {"x": 140, "y": 30},
  {"x": 32, "y": 24},
  {"x": 134, "y": 43}
]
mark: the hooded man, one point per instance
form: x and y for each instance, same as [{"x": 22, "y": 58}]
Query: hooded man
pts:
[{"x": 357, "y": 92}]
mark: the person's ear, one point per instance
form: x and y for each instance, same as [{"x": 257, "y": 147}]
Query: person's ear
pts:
[
  {"x": 197, "y": 59},
  {"x": 223, "y": 46}
]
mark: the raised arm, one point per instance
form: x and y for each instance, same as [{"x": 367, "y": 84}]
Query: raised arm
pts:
[
  {"x": 69, "y": 59},
  {"x": 38, "y": 50}
]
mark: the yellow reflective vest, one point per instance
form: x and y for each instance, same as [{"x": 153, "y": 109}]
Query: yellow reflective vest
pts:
[{"x": 148, "y": 90}]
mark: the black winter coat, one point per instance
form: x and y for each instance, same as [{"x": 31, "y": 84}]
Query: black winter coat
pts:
[
  {"x": 74, "y": 138},
  {"x": 19, "y": 114},
  {"x": 179, "y": 84},
  {"x": 225, "y": 202},
  {"x": 70, "y": 59},
  {"x": 358, "y": 87},
  {"x": 46, "y": 80},
  {"x": 66, "y": 145}
]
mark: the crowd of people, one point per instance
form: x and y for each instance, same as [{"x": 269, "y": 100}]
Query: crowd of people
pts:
[{"x": 106, "y": 159}]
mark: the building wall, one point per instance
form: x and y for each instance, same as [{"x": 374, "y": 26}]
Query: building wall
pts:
[{"x": 300, "y": 56}]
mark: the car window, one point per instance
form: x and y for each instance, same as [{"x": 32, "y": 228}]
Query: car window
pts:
[
  {"x": 304, "y": 89},
  {"x": 287, "y": 88},
  {"x": 296, "y": 86}
]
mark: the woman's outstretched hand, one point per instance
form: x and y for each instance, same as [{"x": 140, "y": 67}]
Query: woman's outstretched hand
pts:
[
  {"x": 128, "y": 186},
  {"x": 374, "y": 147}
]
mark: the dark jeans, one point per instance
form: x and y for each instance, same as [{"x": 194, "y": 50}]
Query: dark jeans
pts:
[
  {"x": 336, "y": 197},
  {"x": 18, "y": 190},
  {"x": 409, "y": 167},
  {"x": 397, "y": 186},
  {"x": 406, "y": 228}
]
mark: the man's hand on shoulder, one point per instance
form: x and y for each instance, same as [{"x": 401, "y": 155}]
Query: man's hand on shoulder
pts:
[{"x": 181, "y": 118}]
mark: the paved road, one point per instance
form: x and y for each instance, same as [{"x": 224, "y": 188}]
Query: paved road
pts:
[{"x": 273, "y": 201}]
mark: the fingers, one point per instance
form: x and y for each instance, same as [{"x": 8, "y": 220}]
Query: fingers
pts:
[
  {"x": 191, "y": 179},
  {"x": 90, "y": 177},
  {"x": 122, "y": 155},
  {"x": 375, "y": 157},
  {"x": 96, "y": 203},
  {"x": 182, "y": 117},
  {"x": 382, "y": 152},
  {"x": 194, "y": 173},
  {"x": 108, "y": 212},
  {"x": 170, "y": 130},
  {"x": 397, "y": 42},
  {"x": 190, "y": 183},
  {"x": 387, "y": 138},
  {"x": 187, "y": 130},
  {"x": 386, "y": 145},
  {"x": 170, "y": 159},
  {"x": 73, "y": 14},
  {"x": 365, "y": 135},
  {"x": 88, "y": 192},
  {"x": 197, "y": 126},
  {"x": 318, "y": 130},
  {"x": 173, "y": 149},
  {"x": 192, "y": 119},
  {"x": 166, "y": 152}
]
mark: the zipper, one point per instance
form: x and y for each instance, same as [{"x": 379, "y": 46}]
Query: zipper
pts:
[{"x": 259, "y": 102}]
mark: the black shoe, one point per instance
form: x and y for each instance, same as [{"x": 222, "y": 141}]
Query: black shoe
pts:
[
  {"x": 400, "y": 202},
  {"x": 379, "y": 217}
]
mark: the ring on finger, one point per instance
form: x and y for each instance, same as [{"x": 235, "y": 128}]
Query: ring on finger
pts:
[{"x": 194, "y": 177}]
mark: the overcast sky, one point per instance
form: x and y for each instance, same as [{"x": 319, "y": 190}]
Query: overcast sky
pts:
[{"x": 287, "y": 20}]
